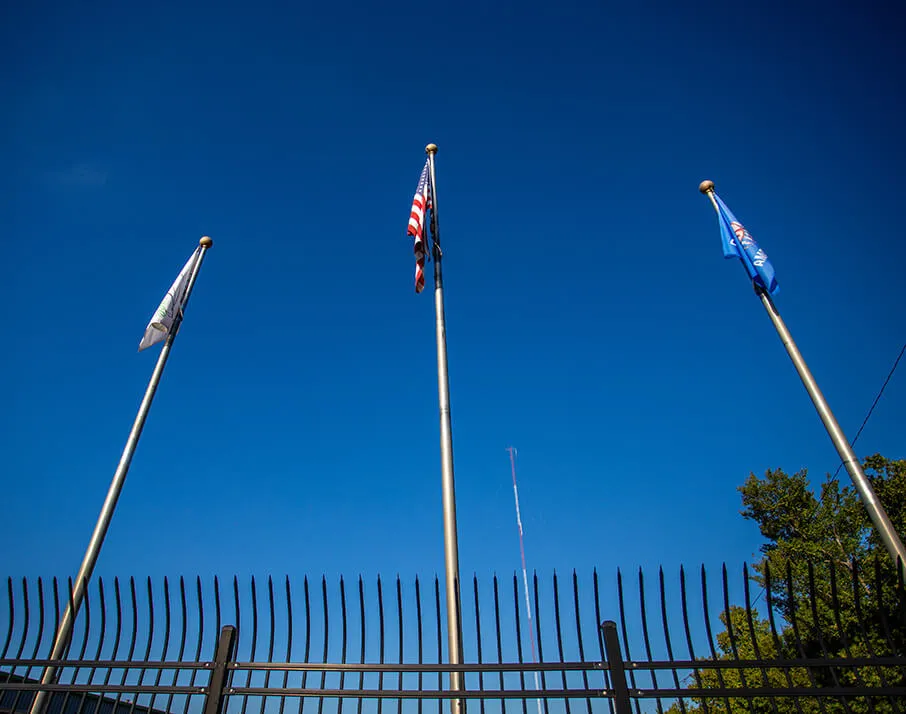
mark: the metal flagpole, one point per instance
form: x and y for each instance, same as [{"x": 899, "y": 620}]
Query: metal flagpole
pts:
[
  {"x": 61, "y": 640},
  {"x": 875, "y": 509},
  {"x": 451, "y": 547}
]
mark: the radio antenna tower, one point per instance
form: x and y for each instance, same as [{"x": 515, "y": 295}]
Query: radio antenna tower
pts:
[{"x": 528, "y": 601}]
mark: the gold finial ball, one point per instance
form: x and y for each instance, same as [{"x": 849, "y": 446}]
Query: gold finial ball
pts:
[
  {"x": 706, "y": 186},
  {"x": 431, "y": 149},
  {"x": 206, "y": 242}
]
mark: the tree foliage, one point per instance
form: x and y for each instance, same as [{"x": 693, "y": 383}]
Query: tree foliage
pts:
[{"x": 830, "y": 588}]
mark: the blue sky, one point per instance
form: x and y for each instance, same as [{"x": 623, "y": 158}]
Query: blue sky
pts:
[{"x": 592, "y": 322}]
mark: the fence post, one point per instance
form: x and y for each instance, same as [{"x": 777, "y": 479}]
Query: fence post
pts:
[
  {"x": 615, "y": 664},
  {"x": 213, "y": 703}
]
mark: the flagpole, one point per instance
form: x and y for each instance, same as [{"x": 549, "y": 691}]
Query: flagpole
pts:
[
  {"x": 451, "y": 547},
  {"x": 61, "y": 639},
  {"x": 873, "y": 505}
]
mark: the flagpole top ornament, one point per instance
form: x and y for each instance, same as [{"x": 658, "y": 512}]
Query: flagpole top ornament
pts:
[
  {"x": 431, "y": 149},
  {"x": 206, "y": 242},
  {"x": 706, "y": 187}
]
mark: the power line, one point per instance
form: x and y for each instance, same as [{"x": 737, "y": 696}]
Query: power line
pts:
[
  {"x": 858, "y": 433},
  {"x": 875, "y": 402}
]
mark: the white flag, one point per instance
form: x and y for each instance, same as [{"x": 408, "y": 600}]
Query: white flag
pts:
[{"x": 172, "y": 304}]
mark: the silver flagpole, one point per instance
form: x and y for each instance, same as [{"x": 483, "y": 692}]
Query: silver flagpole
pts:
[
  {"x": 451, "y": 547},
  {"x": 61, "y": 640},
  {"x": 873, "y": 505}
]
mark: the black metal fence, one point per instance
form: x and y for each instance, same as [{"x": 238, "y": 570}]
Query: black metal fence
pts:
[{"x": 826, "y": 639}]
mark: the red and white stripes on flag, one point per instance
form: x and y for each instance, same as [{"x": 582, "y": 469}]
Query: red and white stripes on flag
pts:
[{"x": 421, "y": 204}]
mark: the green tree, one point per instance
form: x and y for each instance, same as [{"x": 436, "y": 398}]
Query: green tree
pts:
[{"x": 832, "y": 588}]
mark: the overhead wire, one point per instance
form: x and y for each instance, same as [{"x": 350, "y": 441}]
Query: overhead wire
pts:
[{"x": 877, "y": 399}]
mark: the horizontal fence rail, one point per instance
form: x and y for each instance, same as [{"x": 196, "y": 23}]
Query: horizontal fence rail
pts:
[{"x": 826, "y": 638}]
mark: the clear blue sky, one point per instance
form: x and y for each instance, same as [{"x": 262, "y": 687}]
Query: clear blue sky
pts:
[{"x": 592, "y": 321}]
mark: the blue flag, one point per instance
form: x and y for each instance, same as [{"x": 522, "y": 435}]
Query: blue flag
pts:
[{"x": 737, "y": 242}]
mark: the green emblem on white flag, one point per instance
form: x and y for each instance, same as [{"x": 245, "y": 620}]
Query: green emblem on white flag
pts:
[{"x": 172, "y": 304}]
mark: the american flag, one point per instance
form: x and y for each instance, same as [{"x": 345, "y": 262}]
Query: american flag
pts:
[{"x": 421, "y": 204}]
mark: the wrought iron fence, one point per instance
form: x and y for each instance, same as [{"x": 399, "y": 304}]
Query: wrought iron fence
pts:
[{"x": 825, "y": 639}]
